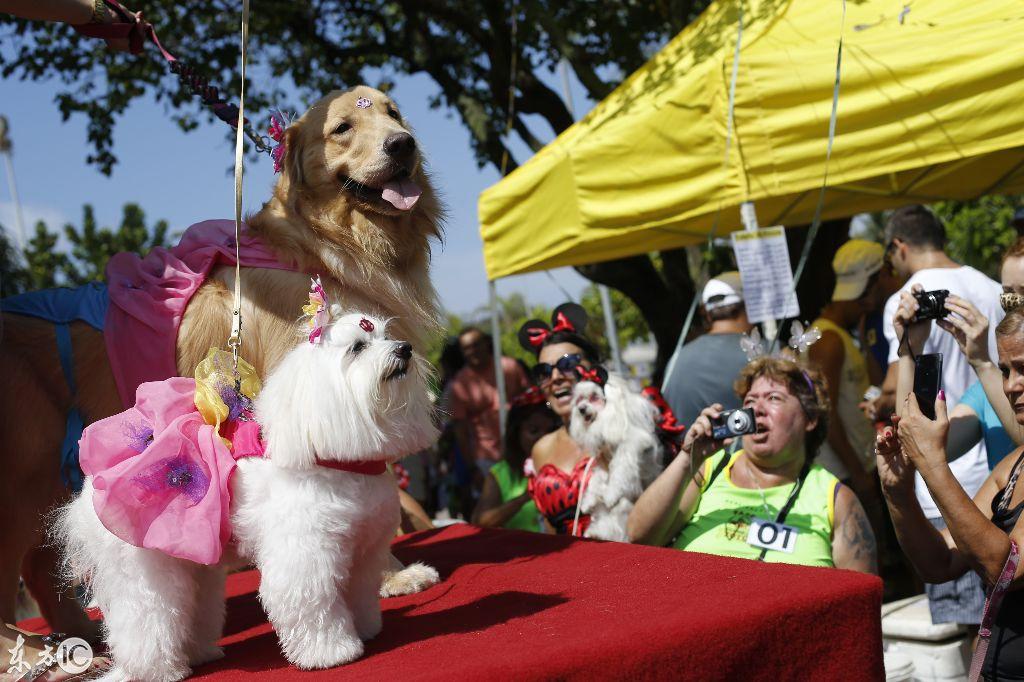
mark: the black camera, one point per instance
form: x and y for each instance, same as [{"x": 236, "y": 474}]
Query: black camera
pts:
[
  {"x": 732, "y": 423},
  {"x": 931, "y": 305}
]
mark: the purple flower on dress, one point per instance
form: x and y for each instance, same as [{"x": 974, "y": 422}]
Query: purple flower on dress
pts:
[
  {"x": 139, "y": 436},
  {"x": 175, "y": 474},
  {"x": 239, "y": 406}
]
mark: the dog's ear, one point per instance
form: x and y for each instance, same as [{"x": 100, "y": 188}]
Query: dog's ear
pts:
[{"x": 293, "y": 154}]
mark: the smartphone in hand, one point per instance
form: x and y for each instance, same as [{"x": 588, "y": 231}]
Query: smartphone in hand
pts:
[{"x": 927, "y": 381}]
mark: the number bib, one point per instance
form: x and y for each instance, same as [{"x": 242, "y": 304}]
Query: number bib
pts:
[{"x": 770, "y": 535}]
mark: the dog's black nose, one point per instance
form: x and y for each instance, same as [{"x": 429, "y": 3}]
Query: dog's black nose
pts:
[
  {"x": 404, "y": 350},
  {"x": 400, "y": 146}
]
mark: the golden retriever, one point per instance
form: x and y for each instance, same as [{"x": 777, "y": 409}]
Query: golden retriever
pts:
[{"x": 345, "y": 207}]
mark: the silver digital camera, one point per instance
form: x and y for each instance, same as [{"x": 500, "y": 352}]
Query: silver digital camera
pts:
[{"x": 732, "y": 423}]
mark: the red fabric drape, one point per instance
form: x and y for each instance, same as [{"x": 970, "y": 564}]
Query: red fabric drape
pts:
[{"x": 524, "y": 606}]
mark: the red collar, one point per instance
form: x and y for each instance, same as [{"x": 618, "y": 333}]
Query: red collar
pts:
[{"x": 369, "y": 468}]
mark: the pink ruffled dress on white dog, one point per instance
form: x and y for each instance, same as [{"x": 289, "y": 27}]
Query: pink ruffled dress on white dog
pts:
[{"x": 160, "y": 471}]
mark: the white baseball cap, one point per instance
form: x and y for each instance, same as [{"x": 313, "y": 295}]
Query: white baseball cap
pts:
[
  {"x": 854, "y": 264},
  {"x": 722, "y": 290}
]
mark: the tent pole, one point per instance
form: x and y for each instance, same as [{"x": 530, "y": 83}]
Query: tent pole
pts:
[
  {"x": 7, "y": 151},
  {"x": 499, "y": 372},
  {"x": 610, "y": 330}
]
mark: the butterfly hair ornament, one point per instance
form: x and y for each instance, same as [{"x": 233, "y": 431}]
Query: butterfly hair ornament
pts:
[
  {"x": 800, "y": 341},
  {"x": 318, "y": 310}
]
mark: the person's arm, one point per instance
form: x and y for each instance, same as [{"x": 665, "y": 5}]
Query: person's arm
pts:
[
  {"x": 669, "y": 502},
  {"x": 978, "y": 541},
  {"x": 414, "y": 517},
  {"x": 828, "y": 354},
  {"x": 73, "y": 12},
  {"x": 970, "y": 330},
  {"x": 66, "y": 11},
  {"x": 964, "y": 431},
  {"x": 933, "y": 554},
  {"x": 490, "y": 511},
  {"x": 458, "y": 408},
  {"x": 853, "y": 541},
  {"x": 463, "y": 431}
]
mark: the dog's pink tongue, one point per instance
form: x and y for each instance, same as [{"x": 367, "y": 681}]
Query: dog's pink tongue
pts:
[{"x": 402, "y": 194}]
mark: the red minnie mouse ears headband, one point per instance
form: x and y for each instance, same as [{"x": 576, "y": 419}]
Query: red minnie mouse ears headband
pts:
[{"x": 568, "y": 317}]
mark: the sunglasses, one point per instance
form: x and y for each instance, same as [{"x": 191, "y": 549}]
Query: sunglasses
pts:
[{"x": 565, "y": 364}]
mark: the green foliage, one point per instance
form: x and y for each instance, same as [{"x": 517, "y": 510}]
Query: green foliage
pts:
[
  {"x": 979, "y": 231},
  {"x": 464, "y": 46},
  {"x": 42, "y": 264},
  {"x": 92, "y": 246},
  {"x": 630, "y": 323}
]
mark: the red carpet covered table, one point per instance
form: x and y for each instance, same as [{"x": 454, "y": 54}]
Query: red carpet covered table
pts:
[{"x": 523, "y": 606}]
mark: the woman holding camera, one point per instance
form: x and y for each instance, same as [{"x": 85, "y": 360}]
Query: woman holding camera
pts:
[
  {"x": 767, "y": 501},
  {"x": 982, "y": 534}
]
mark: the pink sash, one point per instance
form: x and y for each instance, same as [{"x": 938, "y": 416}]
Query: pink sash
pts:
[{"x": 149, "y": 295}]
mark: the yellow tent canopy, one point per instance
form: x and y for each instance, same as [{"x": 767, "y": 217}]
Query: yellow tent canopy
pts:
[{"x": 931, "y": 106}]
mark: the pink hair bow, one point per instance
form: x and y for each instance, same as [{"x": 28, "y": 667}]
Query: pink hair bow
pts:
[{"x": 279, "y": 121}]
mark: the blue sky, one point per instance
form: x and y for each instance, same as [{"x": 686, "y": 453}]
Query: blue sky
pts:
[{"x": 183, "y": 178}]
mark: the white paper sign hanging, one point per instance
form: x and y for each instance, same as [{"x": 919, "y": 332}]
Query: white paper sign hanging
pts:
[{"x": 763, "y": 260}]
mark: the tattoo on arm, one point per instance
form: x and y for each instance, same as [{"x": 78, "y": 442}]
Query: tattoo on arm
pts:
[{"x": 859, "y": 538}]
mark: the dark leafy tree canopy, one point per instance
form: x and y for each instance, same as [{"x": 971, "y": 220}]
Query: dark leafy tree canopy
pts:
[
  {"x": 465, "y": 47},
  {"x": 468, "y": 48}
]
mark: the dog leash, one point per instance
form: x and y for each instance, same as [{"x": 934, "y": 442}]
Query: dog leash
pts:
[
  {"x": 137, "y": 31},
  {"x": 235, "y": 340}
]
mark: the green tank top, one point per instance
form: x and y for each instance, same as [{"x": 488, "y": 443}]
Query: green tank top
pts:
[
  {"x": 527, "y": 518},
  {"x": 722, "y": 519}
]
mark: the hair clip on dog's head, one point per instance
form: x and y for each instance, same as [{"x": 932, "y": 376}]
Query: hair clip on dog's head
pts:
[{"x": 318, "y": 310}]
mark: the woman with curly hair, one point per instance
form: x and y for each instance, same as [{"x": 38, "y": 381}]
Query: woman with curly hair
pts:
[{"x": 768, "y": 500}]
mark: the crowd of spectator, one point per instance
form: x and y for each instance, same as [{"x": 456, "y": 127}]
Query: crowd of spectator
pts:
[{"x": 843, "y": 459}]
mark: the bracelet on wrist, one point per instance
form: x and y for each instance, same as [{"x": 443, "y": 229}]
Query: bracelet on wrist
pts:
[{"x": 99, "y": 12}]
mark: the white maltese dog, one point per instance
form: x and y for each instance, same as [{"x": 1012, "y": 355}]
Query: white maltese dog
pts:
[
  {"x": 314, "y": 514},
  {"x": 618, "y": 427}
]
